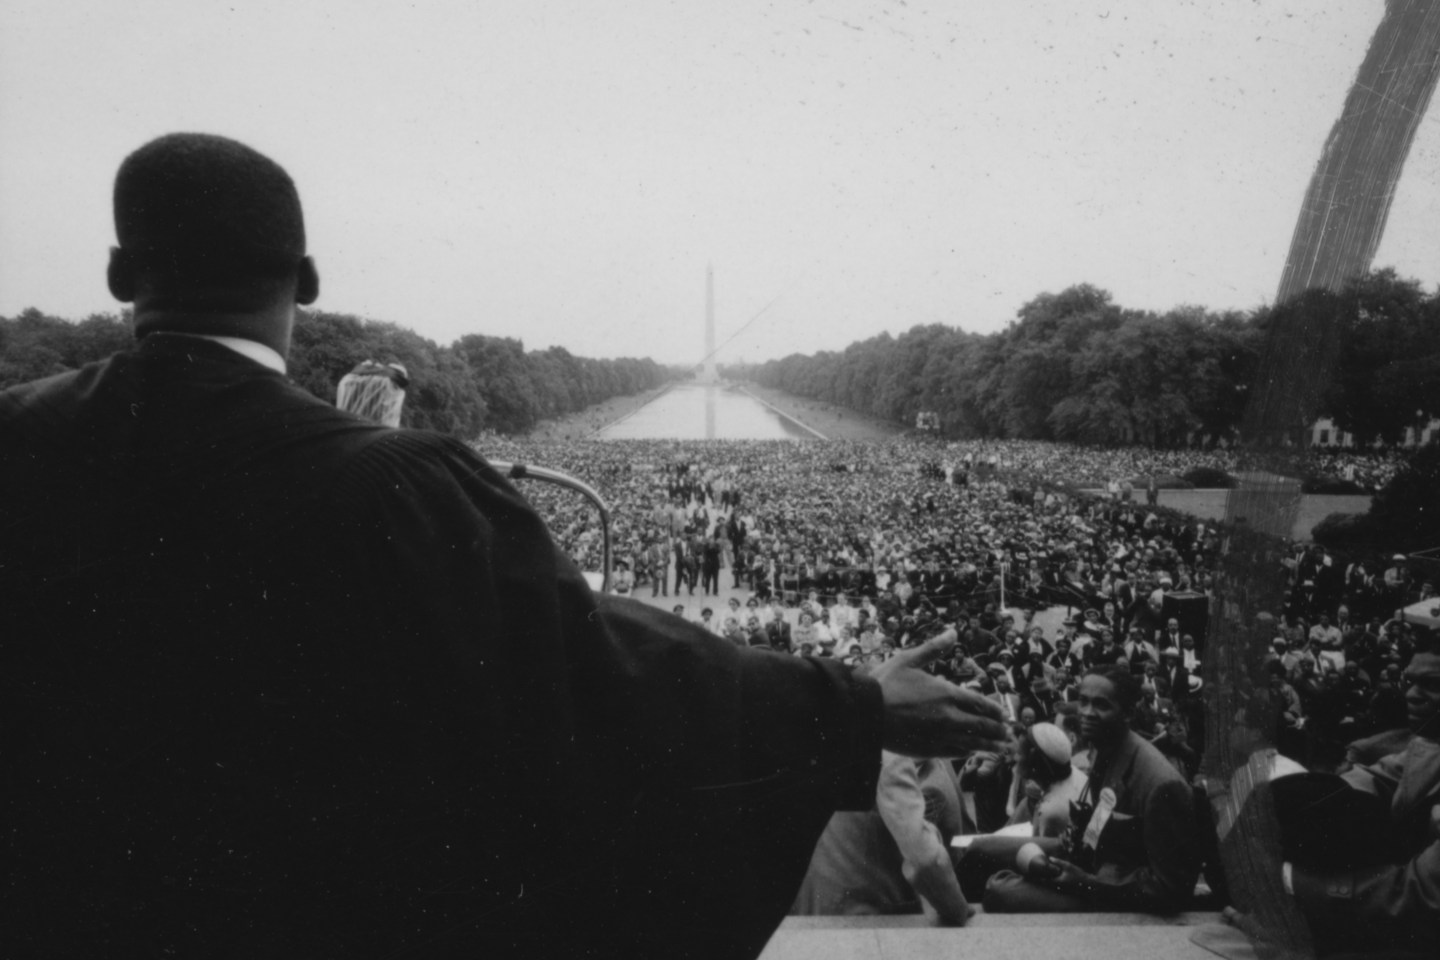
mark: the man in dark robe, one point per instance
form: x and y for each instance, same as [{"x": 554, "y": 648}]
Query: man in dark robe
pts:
[{"x": 281, "y": 682}]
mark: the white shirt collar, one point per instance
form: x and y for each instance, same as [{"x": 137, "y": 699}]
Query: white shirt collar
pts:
[{"x": 261, "y": 354}]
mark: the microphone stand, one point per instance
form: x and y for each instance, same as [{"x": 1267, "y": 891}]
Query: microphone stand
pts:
[{"x": 520, "y": 471}]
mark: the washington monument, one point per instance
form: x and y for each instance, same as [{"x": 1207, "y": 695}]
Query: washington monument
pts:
[{"x": 708, "y": 374}]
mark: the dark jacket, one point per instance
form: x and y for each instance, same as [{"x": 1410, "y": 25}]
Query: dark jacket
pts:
[
  {"x": 1388, "y": 905},
  {"x": 1148, "y": 853},
  {"x": 284, "y": 683}
]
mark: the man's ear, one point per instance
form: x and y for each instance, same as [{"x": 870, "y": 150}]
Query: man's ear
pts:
[
  {"x": 120, "y": 275},
  {"x": 307, "y": 282}
]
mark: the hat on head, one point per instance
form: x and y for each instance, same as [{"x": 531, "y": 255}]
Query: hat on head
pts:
[{"x": 1052, "y": 742}]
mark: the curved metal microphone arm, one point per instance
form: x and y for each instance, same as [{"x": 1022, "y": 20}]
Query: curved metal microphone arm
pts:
[{"x": 519, "y": 471}]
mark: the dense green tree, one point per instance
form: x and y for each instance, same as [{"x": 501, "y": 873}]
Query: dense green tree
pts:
[
  {"x": 1075, "y": 366},
  {"x": 477, "y": 383},
  {"x": 442, "y": 394},
  {"x": 503, "y": 380},
  {"x": 1389, "y": 344},
  {"x": 35, "y": 345},
  {"x": 1403, "y": 516}
]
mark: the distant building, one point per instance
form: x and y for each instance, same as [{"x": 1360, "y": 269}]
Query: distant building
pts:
[{"x": 1324, "y": 433}]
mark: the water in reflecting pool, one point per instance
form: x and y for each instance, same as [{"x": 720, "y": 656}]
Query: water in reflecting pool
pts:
[{"x": 694, "y": 411}]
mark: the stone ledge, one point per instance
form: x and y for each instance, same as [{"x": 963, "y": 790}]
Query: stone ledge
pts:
[
  {"x": 1076, "y": 936},
  {"x": 1192, "y": 918}
]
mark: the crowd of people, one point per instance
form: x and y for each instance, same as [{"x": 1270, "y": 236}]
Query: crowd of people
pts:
[
  {"x": 1369, "y": 471},
  {"x": 292, "y": 682},
  {"x": 854, "y": 551}
]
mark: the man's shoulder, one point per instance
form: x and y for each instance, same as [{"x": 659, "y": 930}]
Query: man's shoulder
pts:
[
  {"x": 1151, "y": 769},
  {"x": 60, "y": 390}
]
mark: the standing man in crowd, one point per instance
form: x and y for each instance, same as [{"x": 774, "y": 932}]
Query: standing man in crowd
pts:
[
  {"x": 285, "y": 683},
  {"x": 710, "y": 566},
  {"x": 658, "y": 555}
]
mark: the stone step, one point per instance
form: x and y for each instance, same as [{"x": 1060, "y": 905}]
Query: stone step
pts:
[{"x": 1082, "y": 936}]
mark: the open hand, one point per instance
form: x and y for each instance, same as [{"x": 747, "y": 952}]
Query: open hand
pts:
[{"x": 926, "y": 716}]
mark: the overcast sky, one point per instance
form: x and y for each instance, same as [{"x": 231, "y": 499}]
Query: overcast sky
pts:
[{"x": 562, "y": 171}]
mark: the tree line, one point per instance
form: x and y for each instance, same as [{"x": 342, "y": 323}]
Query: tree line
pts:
[
  {"x": 1077, "y": 367},
  {"x": 477, "y": 383}
]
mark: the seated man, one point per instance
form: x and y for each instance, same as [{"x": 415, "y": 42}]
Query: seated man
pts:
[
  {"x": 1393, "y": 905},
  {"x": 1044, "y": 785},
  {"x": 1135, "y": 849}
]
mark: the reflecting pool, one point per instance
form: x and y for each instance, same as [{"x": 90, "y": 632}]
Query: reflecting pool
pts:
[{"x": 697, "y": 411}]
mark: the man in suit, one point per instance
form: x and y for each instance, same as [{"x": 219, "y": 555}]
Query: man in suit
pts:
[
  {"x": 1174, "y": 675},
  {"x": 1169, "y": 638},
  {"x": 1041, "y": 697},
  {"x": 778, "y": 630},
  {"x": 1189, "y": 656},
  {"x": 658, "y": 557},
  {"x": 1154, "y": 712},
  {"x": 1005, "y": 695},
  {"x": 1140, "y": 840},
  {"x": 1138, "y": 652},
  {"x": 735, "y": 531},
  {"x": 682, "y": 563},
  {"x": 694, "y": 556},
  {"x": 288, "y": 683},
  {"x": 710, "y": 567},
  {"x": 1390, "y": 905}
]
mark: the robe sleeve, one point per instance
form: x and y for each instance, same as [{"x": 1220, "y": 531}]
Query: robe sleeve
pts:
[{"x": 712, "y": 768}]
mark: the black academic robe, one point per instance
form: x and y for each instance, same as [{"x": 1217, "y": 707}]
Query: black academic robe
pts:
[{"x": 283, "y": 683}]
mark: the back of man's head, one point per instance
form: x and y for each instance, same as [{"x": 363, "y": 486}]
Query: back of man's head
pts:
[{"x": 205, "y": 223}]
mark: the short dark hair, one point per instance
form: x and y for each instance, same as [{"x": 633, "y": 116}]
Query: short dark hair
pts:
[
  {"x": 1127, "y": 685},
  {"x": 194, "y": 210}
]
